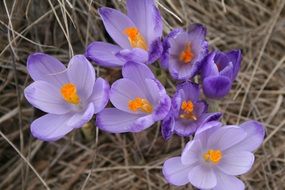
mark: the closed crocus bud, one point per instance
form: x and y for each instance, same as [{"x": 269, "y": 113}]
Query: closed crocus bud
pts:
[{"x": 219, "y": 70}]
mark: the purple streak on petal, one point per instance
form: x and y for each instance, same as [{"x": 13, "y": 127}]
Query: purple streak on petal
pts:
[
  {"x": 177, "y": 101},
  {"x": 115, "y": 23},
  {"x": 82, "y": 117},
  {"x": 162, "y": 108},
  {"x": 51, "y": 127},
  {"x": 191, "y": 153},
  {"x": 124, "y": 90},
  {"x": 191, "y": 90},
  {"x": 175, "y": 172},
  {"x": 100, "y": 95},
  {"x": 254, "y": 138},
  {"x": 226, "y": 137},
  {"x": 155, "y": 50},
  {"x": 185, "y": 128},
  {"x": 216, "y": 87},
  {"x": 225, "y": 181},
  {"x": 115, "y": 121},
  {"x": 143, "y": 123},
  {"x": 236, "y": 162},
  {"x": 46, "y": 97},
  {"x": 136, "y": 54},
  {"x": 104, "y": 54},
  {"x": 81, "y": 73},
  {"x": 235, "y": 57},
  {"x": 146, "y": 17},
  {"x": 46, "y": 68},
  {"x": 202, "y": 177},
  {"x": 167, "y": 126}
]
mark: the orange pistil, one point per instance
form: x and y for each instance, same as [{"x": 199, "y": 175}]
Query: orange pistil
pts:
[
  {"x": 188, "y": 108},
  {"x": 213, "y": 156},
  {"x": 69, "y": 93},
  {"x": 135, "y": 38},
  {"x": 186, "y": 55},
  {"x": 140, "y": 104}
]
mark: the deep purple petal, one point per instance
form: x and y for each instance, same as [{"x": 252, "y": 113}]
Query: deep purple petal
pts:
[
  {"x": 46, "y": 97},
  {"x": 202, "y": 177},
  {"x": 136, "y": 54},
  {"x": 115, "y": 121},
  {"x": 236, "y": 162},
  {"x": 225, "y": 137},
  {"x": 46, "y": 68},
  {"x": 209, "y": 67},
  {"x": 146, "y": 17},
  {"x": 115, "y": 23},
  {"x": 227, "y": 71},
  {"x": 155, "y": 51},
  {"x": 191, "y": 90},
  {"x": 254, "y": 138},
  {"x": 167, "y": 126},
  {"x": 225, "y": 181},
  {"x": 100, "y": 95},
  {"x": 82, "y": 117},
  {"x": 216, "y": 87},
  {"x": 124, "y": 90},
  {"x": 51, "y": 127},
  {"x": 175, "y": 172},
  {"x": 104, "y": 54},
  {"x": 162, "y": 108},
  {"x": 192, "y": 152},
  {"x": 81, "y": 73},
  {"x": 235, "y": 57}
]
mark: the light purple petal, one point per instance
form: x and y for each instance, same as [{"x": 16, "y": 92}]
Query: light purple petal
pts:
[
  {"x": 236, "y": 162},
  {"x": 81, "y": 73},
  {"x": 100, "y": 95},
  {"x": 185, "y": 128},
  {"x": 216, "y": 87},
  {"x": 51, "y": 127},
  {"x": 115, "y": 23},
  {"x": 191, "y": 90},
  {"x": 202, "y": 177},
  {"x": 206, "y": 130},
  {"x": 46, "y": 68},
  {"x": 162, "y": 109},
  {"x": 143, "y": 123},
  {"x": 124, "y": 90},
  {"x": 225, "y": 181},
  {"x": 225, "y": 137},
  {"x": 254, "y": 138},
  {"x": 136, "y": 54},
  {"x": 46, "y": 97},
  {"x": 191, "y": 153},
  {"x": 175, "y": 172},
  {"x": 115, "y": 121},
  {"x": 80, "y": 118},
  {"x": 146, "y": 17},
  {"x": 104, "y": 54},
  {"x": 155, "y": 51}
]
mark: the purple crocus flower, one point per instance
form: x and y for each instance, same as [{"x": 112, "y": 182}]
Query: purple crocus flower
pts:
[
  {"x": 70, "y": 96},
  {"x": 137, "y": 35},
  {"x": 183, "y": 51},
  {"x": 219, "y": 70},
  {"x": 139, "y": 100},
  {"x": 215, "y": 156},
  {"x": 187, "y": 112}
]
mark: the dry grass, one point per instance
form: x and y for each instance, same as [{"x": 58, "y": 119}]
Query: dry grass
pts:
[{"x": 133, "y": 161}]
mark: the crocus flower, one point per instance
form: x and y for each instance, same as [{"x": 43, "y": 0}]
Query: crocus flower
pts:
[
  {"x": 183, "y": 51},
  {"x": 187, "y": 112},
  {"x": 215, "y": 156},
  {"x": 70, "y": 96},
  {"x": 219, "y": 70},
  {"x": 137, "y": 35},
  {"x": 139, "y": 100}
]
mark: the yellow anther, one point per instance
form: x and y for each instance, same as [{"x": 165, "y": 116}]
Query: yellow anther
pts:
[
  {"x": 213, "y": 156},
  {"x": 140, "y": 104},
  {"x": 135, "y": 38},
  {"x": 69, "y": 93},
  {"x": 186, "y": 55}
]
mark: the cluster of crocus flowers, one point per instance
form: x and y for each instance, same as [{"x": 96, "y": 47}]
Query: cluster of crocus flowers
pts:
[{"x": 72, "y": 95}]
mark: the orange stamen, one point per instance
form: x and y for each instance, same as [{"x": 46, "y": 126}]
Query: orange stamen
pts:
[
  {"x": 186, "y": 55},
  {"x": 140, "y": 104},
  {"x": 188, "y": 108},
  {"x": 135, "y": 38},
  {"x": 69, "y": 93},
  {"x": 213, "y": 156}
]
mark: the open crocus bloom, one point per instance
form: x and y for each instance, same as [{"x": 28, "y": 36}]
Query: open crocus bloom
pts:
[
  {"x": 215, "y": 156},
  {"x": 139, "y": 100},
  {"x": 219, "y": 70},
  {"x": 184, "y": 51},
  {"x": 70, "y": 96},
  {"x": 187, "y": 112},
  {"x": 137, "y": 35}
]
